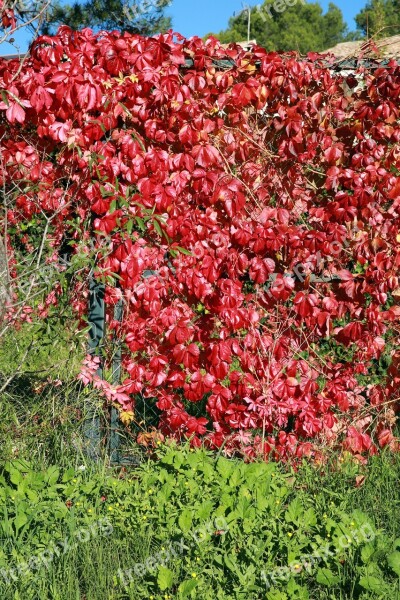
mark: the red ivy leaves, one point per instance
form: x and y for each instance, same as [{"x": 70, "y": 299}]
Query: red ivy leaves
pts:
[{"x": 251, "y": 218}]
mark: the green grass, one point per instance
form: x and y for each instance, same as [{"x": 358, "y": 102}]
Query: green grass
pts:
[
  {"x": 227, "y": 522},
  {"x": 42, "y": 407}
]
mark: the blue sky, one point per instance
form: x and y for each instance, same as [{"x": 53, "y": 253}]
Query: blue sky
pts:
[{"x": 198, "y": 17}]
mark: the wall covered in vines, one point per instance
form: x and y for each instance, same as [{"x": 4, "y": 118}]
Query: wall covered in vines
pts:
[{"x": 245, "y": 208}]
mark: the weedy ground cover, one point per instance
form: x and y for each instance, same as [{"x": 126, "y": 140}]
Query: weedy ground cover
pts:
[{"x": 188, "y": 524}]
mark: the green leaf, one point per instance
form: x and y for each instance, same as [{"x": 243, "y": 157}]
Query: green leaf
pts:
[
  {"x": 236, "y": 477},
  {"x": 5, "y": 97},
  {"x": 88, "y": 487},
  {"x": 157, "y": 227},
  {"x": 15, "y": 476},
  {"x": 230, "y": 563},
  {"x": 394, "y": 562},
  {"x": 276, "y": 595},
  {"x": 225, "y": 467},
  {"x": 140, "y": 223},
  {"x": 366, "y": 552},
  {"x": 32, "y": 495},
  {"x": 128, "y": 112},
  {"x": 204, "y": 511},
  {"x": 373, "y": 584},
  {"x": 129, "y": 226},
  {"x": 309, "y": 518},
  {"x": 68, "y": 475},
  {"x": 294, "y": 511},
  {"x": 52, "y": 474},
  {"x": 165, "y": 578},
  {"x": 20, "y": 520},
  {"x": 183, "y": 251},
  {"x": 326, "y": 577},
  {"x": 185, "y": 520},
  {"x": 297, "y": 591},
  {"x": 187, "y": 586}
]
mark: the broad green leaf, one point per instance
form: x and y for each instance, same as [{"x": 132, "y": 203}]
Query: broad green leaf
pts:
[
  {"x": 88, "y": 487},
  {"x": 186, "y": 587},
  {"x": 236, "y": 477},
  {"x": 276, "y": 595},
  {"x": 297, "y": 591},
  {"x": 140, "y": 223},
  {"x": 225, "y": 467},
  {"x": 52, "y": 474},
  {"x": 294, "y": 511},
  {"x": 165, "y": 578},
  {"x": 32, "y": 495},
  {"x": 394, "y": 562},
  {"x": 366, "y": 552},
  {"x": 371, "y": 583},
  {"x": 230, "y": 563},
  {"x": 205, "y": 509},
  {"x": 20, "y": 520},
  {"x": 326, "y": 577},
  {"x": 309, "y": 518},
  {"x": 68, "y": 475},
  {"x": 185, "y": 520},
  {"x": 15, "y": 476}
]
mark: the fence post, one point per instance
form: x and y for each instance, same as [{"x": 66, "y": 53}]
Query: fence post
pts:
[
  {"x": 114, "y": 446},
  {"x": 91, "y": 427},
  {"x": 116, "y": 456}
]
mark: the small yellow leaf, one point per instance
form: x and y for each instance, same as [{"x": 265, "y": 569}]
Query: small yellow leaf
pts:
[
  {"x": 245, "y": 64},
  {"x": 127, "y": 417}
]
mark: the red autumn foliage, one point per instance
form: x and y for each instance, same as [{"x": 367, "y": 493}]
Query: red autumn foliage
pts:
[
  {"x": 7, "y": 17},
  {"x": 261, "y": 299}
]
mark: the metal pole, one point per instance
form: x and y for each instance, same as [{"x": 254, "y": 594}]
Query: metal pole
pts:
[
  {"x": 116, "y": 456},
  {"x": 114, "y": 444},
  {"x": 91, "y": 427}
]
